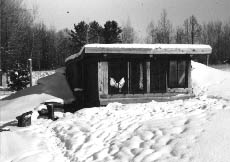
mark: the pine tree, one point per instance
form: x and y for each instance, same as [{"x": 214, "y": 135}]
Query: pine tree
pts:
[
  {"x": 111, "y": 32},
  {"x": 79, "y": 36},
  {"x": 95, "y": 32}
]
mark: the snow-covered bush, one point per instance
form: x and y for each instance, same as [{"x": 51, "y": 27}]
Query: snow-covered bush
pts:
[{"x": 19, "y": 78}]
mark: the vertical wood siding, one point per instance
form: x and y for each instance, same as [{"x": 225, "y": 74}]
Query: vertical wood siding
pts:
[{"x": 103, "y": 78}]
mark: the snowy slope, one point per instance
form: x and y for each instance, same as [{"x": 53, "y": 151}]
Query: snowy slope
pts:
[
  {"x": 182, "y": 130},
  {"x": 209, "y": 81},
  {"x": 51, "y": 87}
]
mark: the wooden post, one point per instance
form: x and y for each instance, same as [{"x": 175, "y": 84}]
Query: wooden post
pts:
[
  {"x": 50, "y": 108},
  {"x": 207, "y": 60},
  {"x": 0, "y": 73},
  {"x": 148, "y": 76},
  {"x": 128, "y": 79},
  {"x": 30, "y": 68},
  {"x": 103, "y": 78},
  {"x": 189, "y": 74}
]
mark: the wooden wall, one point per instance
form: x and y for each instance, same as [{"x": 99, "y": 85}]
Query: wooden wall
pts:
[{"x": 103, "y": 78}]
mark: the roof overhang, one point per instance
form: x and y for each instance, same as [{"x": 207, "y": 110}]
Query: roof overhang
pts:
[
  {"x": 148, "y": 49},
  {"x": 143, "y": 49}
]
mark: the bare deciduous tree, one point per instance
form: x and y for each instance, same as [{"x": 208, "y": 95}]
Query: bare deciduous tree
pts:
[
  {"x": 164, "y": 29},
  {"x": 192, "y": 30},
  {"x": 128, "y": 33}
]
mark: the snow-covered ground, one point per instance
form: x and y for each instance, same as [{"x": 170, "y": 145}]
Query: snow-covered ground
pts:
[
  {"x": 182, "y": 130},
  {"x": 36, "y": 75},
  {"x": 224, "y": 67}
]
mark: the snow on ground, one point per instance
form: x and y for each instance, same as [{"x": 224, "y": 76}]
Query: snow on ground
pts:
[
  {"x": 214, "y": 144},
  {"x": 36, "y": 75},
  {"x": 209, "y": 81},
  {"x": 51, "y": 87},
  {"x": 163, "y": 131},
  {"x": 183, "y": 130},
  {"x": 135, "y": 132},
  {"x": 224, "y": 67}
]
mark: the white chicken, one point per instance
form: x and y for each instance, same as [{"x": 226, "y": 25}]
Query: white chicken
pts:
[
  {"x": 119, "y": 85},
  {"x": 113, "y": 83}
]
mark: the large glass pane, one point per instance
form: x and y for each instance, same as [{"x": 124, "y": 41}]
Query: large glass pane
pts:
[
  {"x": 172, "y": 74},
  {"x": 181, "y": 73},
  {"x": 118, "y": 77},
  {"x": 158, "y": 75},
  {"x": 137, "y": 77}
]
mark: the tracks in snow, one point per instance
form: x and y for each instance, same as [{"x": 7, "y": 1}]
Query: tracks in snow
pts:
[{"x": 136, "y": 132}]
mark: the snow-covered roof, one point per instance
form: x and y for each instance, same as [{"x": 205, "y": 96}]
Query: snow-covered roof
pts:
[
  {"x": 151, "y": 49},
  {"x": 71, "y": 57}
]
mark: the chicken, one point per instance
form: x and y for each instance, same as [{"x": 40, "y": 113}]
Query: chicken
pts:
[
  {"x": 121, "y": 83},
  {"x": 113, "y": 83}
]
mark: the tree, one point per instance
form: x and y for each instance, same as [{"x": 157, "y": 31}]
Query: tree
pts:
[
  {"x": 212, "y": 34},
  {"x": 16, "y": 22},
  {"x": 111, "y": 32},
  {"x": 164, "y": 29},
  {"x": 151, "y": 32},
  {"x": 85, "y": 33},
  {"x": 62, "y": 46},
  {"x": 128, "y": 33},
  {"x": 192, "y": 30},
  {"x": 226, "y": 41},
  {"x": 179, "y": 38},
  {"x": 79, "y": 36},
  {"x": 19, "y": 77},
  {"x": 95, "y": 32}
]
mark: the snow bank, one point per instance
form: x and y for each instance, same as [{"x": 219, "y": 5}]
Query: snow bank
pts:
[
  {"x": 214, "y": 143},
  {"x": 51, "y": 87},
  {"x": 163, "y": 131},
  {"x": 36, "y": 75},
  {"x": 33, "y": 143},
  {"x": 209, "y": 81}
]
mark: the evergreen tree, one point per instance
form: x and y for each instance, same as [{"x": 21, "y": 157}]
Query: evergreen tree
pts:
[
  {"x": 79, "y": 36},
  {"x": 95, "y": 32},
  {"x": 111, "y": 32},
  {"x": 19, "y": 77}
]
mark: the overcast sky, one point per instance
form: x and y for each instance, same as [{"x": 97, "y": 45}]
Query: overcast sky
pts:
[{"x": 64, "y": 13}]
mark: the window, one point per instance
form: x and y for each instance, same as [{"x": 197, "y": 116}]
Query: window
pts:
[
  {"x": 127, "y": 77},
  {"x": 158, "y": 70},
  {"x": 137, "y": 75},
  {"x": 177, "y": 74},
  {"x": 118, "y": 77}
]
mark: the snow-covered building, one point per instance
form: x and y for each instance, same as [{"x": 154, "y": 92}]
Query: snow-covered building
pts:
[{"x": 103, "y": 73}]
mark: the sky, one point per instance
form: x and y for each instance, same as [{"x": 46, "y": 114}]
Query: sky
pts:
[{"x": 65, "y": 13}]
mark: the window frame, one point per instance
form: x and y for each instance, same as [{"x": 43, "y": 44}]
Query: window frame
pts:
[
  {"x": 177, "y": 85},
  {"x": 128, "y": 78},
  {"x": 133, "y": 90},
  {"x": 114, "y": 91}
]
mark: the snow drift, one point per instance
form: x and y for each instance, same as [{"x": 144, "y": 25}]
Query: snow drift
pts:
[
  {"x": 209, "y": 81},
  {"x": 50, "y": 87}
]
